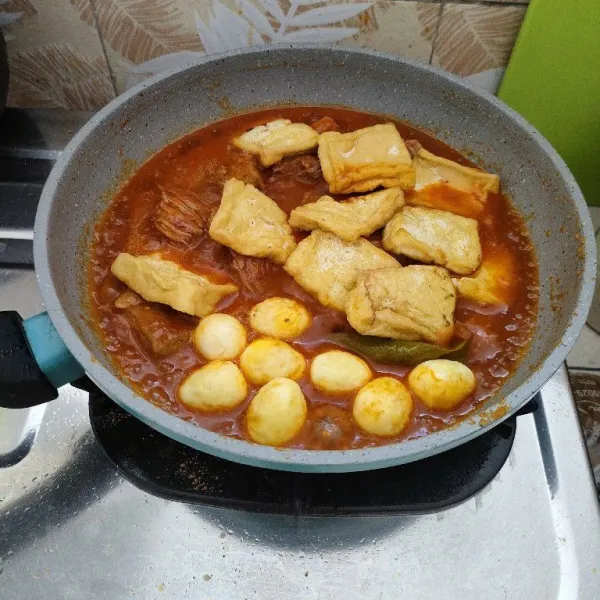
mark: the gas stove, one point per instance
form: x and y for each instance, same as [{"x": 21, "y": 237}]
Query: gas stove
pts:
[{"x": 95, "y": 505}]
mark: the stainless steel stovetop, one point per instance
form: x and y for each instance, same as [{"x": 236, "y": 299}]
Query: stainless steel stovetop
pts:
[{"x": 72, "y": 528}]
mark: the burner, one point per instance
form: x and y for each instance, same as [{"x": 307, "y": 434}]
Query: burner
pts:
[{"x": 168, "y": 469}]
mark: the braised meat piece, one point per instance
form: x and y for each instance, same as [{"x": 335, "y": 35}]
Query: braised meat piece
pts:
[
  {"x": 304, "y": 168},
  {"x": 160, "y": 330},
  {"x": 179, "y": 215},
  {"x": 331, "y": 428},
  {"x": 243, "y": 166},
  {"x": 250, "y": 273},
  {"x": 127, "y": 299},
  {"x": 325, "y": 124}
]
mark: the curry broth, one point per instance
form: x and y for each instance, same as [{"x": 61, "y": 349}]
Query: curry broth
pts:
[{"x": 500, "y": 334}]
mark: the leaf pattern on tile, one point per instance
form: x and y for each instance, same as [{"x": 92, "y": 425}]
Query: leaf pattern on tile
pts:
[
  {"x": 18, "y": 6},
  {"x": 246, "y": 23},
  {"x": 428, "y": 15},
  {"x": 13, "y": 12},
  {"x": 474, "y": 38},
  {"x": 56, "y": 76},
  {"x": 139, "y": 30}
]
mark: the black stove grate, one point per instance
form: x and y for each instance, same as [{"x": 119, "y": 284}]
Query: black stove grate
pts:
[{"x": 171, "y": 470}]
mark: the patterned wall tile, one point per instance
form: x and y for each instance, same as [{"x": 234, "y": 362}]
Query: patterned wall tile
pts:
[
  {"x": 58, "y": 59},
  {"x": 403, "y": 28},
  {"x": 476, "y": 40},
  {"x": 487, "y": 1},
  {"x": 144, "y": 37},
  {"x": 55, "y": 59}
]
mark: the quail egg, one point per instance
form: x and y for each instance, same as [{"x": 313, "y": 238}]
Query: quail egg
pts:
[
  {"x": 337, "y": 372},
  {"x": 217, "y": 386},
  {"x": 219, "y": 336},
  {"x": 281, "y": 318},
  {"x": 442, "y": 384},
  {"x": 382, "y": 407},
  {"x": 266, "y": 359},
  {"x": 277, "y": 412}
]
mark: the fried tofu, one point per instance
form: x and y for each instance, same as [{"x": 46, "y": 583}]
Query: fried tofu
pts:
[
  {"x": 435, "y": 236},
  {"x": 365, "y": 159},
  {"x": 327, "y": 266},
  {"x": 431, "y": 169},
  {"x": 492, "y": 283},
  {"x": 277, "y": 139},
  {"x": 414, "y": 303},
  {"x": 163, "y": 281},
  {"x": 351, "y": 219},
  {"x": 251, "y": 223}
]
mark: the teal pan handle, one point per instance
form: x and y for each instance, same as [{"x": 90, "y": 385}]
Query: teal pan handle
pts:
[{"x": 34, "y": 361}]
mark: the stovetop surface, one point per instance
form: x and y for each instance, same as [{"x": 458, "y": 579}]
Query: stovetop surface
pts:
[
  {"x": 171, "y": 470},
  {"x": 71, "y": 526}
]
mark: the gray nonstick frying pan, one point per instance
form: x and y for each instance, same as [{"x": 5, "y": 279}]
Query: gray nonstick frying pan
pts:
[{"x": 177, "y": 102}]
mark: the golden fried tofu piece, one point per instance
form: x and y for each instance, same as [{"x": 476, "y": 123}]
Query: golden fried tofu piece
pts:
[
  {"x": 158, "y": 280},
  {"x": 350, "y": 219},
  {"x": 327, "y": 266},
  {"x": 251, "y": 223},
  {"x": 435, "y": 236},
  {"x": 277, "y": 139},
  {"x": 492, "y": 283},
  {"x": 431, "y": 169},
  {"x": 404, "y": 303},
  {"x": 365, "y": 159}
]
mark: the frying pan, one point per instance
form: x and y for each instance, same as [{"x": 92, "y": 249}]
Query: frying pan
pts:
[{"x": 158, "y": 111}]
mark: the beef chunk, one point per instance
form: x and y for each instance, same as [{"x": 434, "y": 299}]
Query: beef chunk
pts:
[
  {"x": 179, "y": 215},
  {"x": 127, "y": 299},
  {"x": 161, "y": 331},
  {"x": 325, "y": 124},
  {"x": 304, "y": 168},
  {"x": 243, "y": 166},
  {"x": 250, "y": 272},
  {"x": 330, "y": 428}
]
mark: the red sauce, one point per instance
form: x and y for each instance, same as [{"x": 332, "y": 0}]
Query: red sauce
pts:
[{"x": 501, "y": 334}]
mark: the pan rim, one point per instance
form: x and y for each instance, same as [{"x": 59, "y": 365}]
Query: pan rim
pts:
[{"x": 295, "y": 459}]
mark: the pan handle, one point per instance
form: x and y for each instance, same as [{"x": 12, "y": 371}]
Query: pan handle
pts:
[{"x": 34, "y": 361}]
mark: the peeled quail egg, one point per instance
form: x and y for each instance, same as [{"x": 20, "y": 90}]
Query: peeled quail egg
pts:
[
  {"x": 281, "y": 318},
  {"x": 277, "y": 412},
  {"x": 442, "y": 384},
  {"x": 266, "y": 358},
  {"x": 337, "y": 371},
  {"x": 219, "y": 336},
  {"x": 382, "y": 407},
  {"x": 217, "y": 386}
]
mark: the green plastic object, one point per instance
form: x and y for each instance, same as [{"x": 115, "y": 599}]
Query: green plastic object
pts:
[{"x": 553, "y": 80}]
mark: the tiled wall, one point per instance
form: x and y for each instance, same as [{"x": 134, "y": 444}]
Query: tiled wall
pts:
[{"x": 79, "y": 54}]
